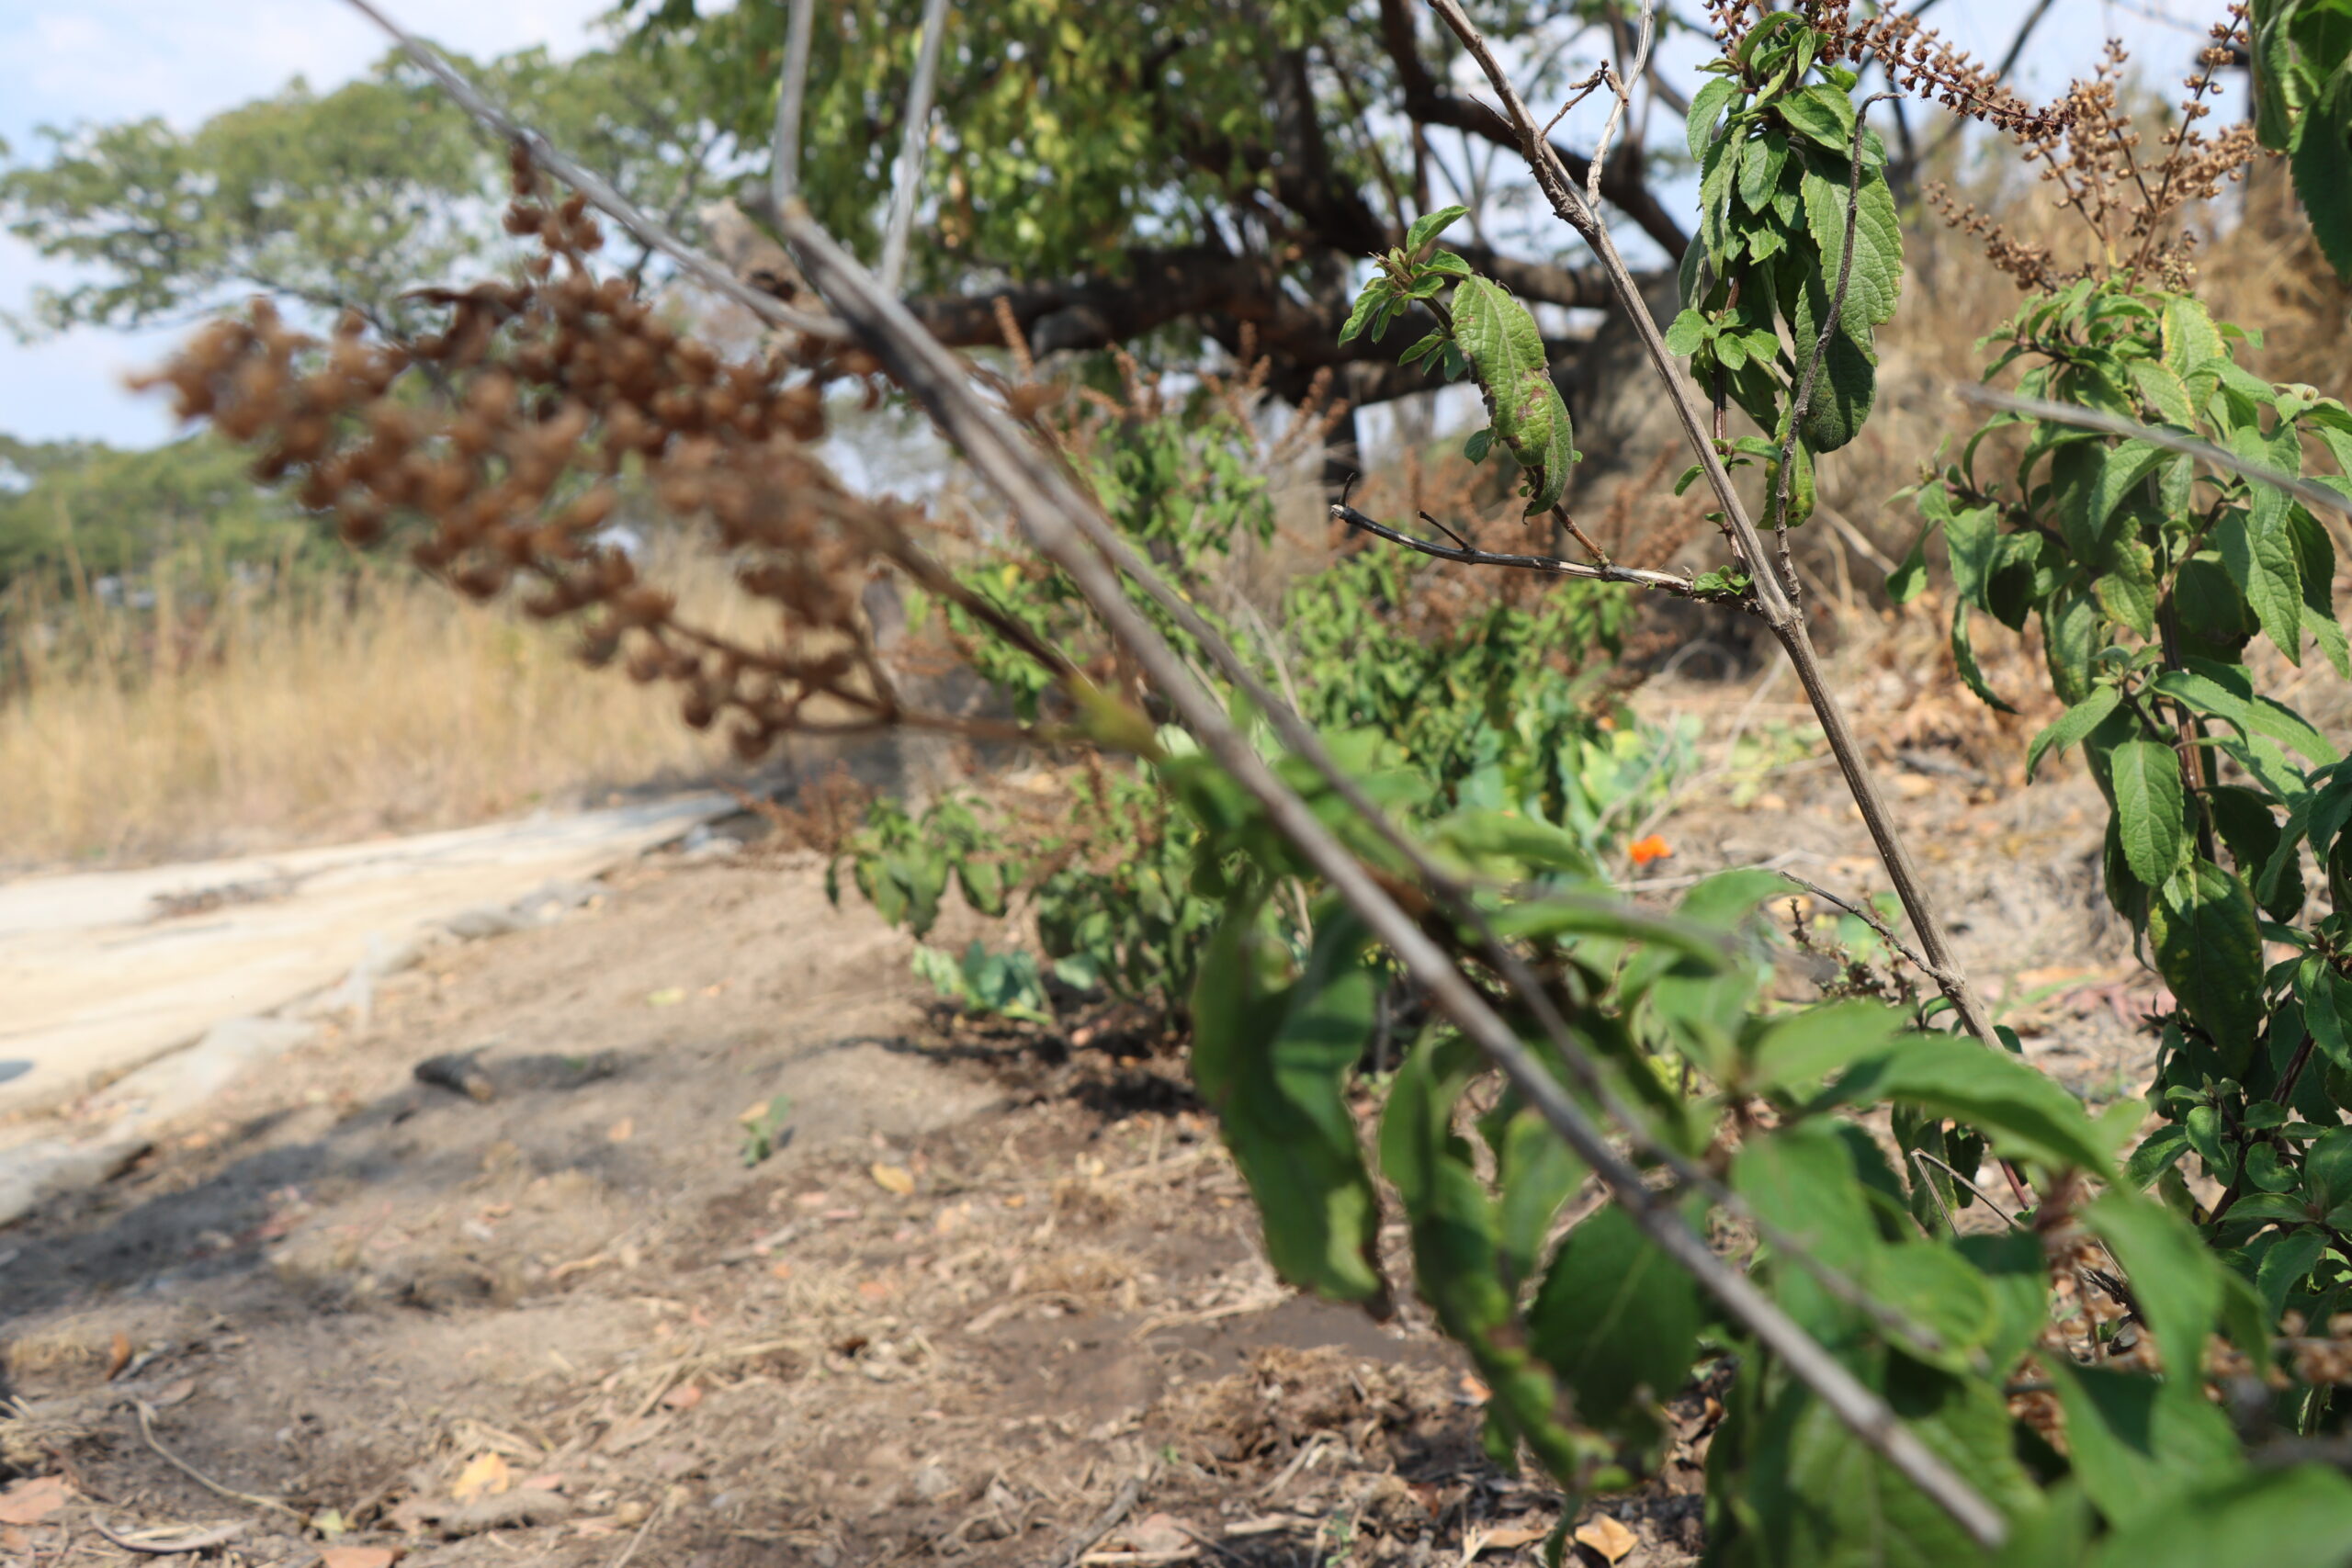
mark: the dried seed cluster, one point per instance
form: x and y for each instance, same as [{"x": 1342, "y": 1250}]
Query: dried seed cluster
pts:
[
  {"x": 2093, "y": 157},
  {"x": 508, "y": 436}
]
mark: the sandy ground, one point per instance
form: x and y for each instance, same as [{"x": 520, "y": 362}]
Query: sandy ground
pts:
[{"x": 106, "y": 970}]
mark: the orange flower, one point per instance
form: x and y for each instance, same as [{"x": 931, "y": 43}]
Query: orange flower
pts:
[{"x": 1645, "y": 850}]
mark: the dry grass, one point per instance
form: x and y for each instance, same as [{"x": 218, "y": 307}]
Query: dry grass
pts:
[{"x": 395, "y": 706}]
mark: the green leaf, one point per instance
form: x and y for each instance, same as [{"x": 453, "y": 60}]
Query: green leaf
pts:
[
  {"x": 1934, "y": 1288},
  {"x": 2164, "y": 391},
  {"x": 1802, "y": 1181},
  {"x": 1615, "y": 1317},
  {"x": 2322, "y": 152},
  {"x": 1797, "y": 1052},
  {"x": 1424, "y": 230},
  {"x": 2282, "y": 1519},
  {"x": 1274, "y": 1065},
  {"x": 2243, "y": 818},
  {"x": 2207, "y": 947},
  {"x": 2328, "y": 1167},
  {"x": 1843, "y": 394},
  {"x": 1818, "y": 1498},
  {"x": 2285, "y": 1267},
  {"x": 983, "y": 884},
  {"x": 2315, "y": 560},
  {"x": 1375, "y": 298},
  {"x": 2070, "y": 638},
  {"x": 2069, "y": 728},
  {"x": 1906, "y": 582},
  {"x": 1875, "y": 279},
  {"x": 1821, "y": 114},
  {"x": 1687, "y": 333},
  {"x": 1456, "y": 1265},
  {"x": 2126, "y": 588},
  {"x": 1534, "y": 1172},
  {"x": 1706, "y": 108},
  {"x": 2145, "y": 780},
  {"x": 1479, "y": 443},
  {"x": 1760, "y": 170},
  {"x": 1964, "y": 656},
  {"x": 1506, "y": 351},
  {"x": 2261, "y": 560},
  {"x": 2226, "y": 691},
  {"x": 2137, "y": 1440},
  {"x": 1972, "y": 535},
  {"x": 2025, "y": 1113},
  {"x": 2176, "y": 1279}
]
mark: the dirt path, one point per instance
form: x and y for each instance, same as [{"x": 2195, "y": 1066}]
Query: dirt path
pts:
[{"x": 105, "y": 971}]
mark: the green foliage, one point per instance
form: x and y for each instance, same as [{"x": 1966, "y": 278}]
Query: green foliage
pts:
[
  {"x": 347, "y": 199},
  {"x": 1786, "y": 174},
  {"x": 2302, "y": 94},
  {"x": 1486, "y": 335},
  {"x": 83, "y": 508},
  {"x": 990, "y": 984}
]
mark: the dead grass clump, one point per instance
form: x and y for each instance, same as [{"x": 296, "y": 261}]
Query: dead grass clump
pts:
[
  {"x": 1082, "y": 1272},
  {"x": 394, "y": 707},
  {"x": 1289, "y": 1398}
]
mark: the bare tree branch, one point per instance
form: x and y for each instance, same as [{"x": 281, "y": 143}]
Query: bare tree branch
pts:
[
  {"x": 1469, "y": 555},
  {"x": 2310, "y": 494},
  {"x": 907, "y": 185},
  {"x": 784, "y": 178}
]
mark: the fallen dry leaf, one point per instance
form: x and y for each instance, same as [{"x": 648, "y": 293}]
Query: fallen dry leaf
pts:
[
  {"x": 622, "y": 1131},
  {"x": 667, "y": 996},
  {"x": 894, "y": 1178},
  {"x": 117, "y": 1354},
  {"x": 685, "y": 1396},
  {"x": 1607, "y": 1536},
  {"x": 1503, "y": 1539},
  {"x": 173, "y": 1393},
  {"x": 359, "y": 1557},
  {"x": 32, "y": 1500},
  {"x": 485, "y": 1474}
]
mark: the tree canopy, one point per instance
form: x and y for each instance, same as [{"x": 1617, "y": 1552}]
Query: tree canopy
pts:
[{"x": 341, "y": 200}]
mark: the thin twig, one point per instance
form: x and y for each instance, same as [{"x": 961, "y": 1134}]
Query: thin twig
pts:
[
  {"x": 1773, "y": 603},
  {"x": 1936, "y": 1192},
  {"x": 907, "y": 184},
  {"x": 784, "y": 178},
  {"x": 1129, "y": 1493},
  {"x": 168, "y": 1543},
  {"x": 1048, "y": 511},
  {"x": 597, "y": 189},
  {"x": 147, "y": 1430},
  {"x": 1663, "y": 582},
  {"x": 1869, "y": 917},
  {"x": 1981, "y": 1196},
  {"x": 644, "y": 1530},
  {"x": 2310, "y": 494},
  {"x": 1623, "y": 100}
]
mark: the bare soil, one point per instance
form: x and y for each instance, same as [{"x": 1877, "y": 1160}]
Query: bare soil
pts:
[{"x": 986, "y": 1298}]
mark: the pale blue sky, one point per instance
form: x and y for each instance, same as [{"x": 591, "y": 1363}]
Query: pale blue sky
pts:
[{"x": 63, "y": 60}]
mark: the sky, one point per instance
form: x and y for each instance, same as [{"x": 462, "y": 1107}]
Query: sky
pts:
[{"x": 68, "y": 61}]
